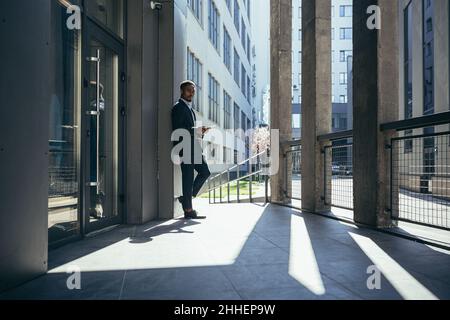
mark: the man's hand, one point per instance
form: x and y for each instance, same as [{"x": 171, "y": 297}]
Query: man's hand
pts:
[
  {"x": 205, "y": 130},
  {"x": 202, "y": 131}
]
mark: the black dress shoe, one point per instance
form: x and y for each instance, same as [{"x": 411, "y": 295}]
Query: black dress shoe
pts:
[{"x": 193, "y": 215}]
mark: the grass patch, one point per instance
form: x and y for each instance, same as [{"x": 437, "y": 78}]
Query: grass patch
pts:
[{"x": 244, "y": 190}]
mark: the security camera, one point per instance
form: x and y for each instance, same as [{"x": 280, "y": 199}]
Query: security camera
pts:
[{"x": 156, "y": 5}]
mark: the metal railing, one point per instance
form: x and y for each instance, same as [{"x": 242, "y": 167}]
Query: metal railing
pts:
[
  {"x": 293, "y": 158},
  {"x": 63, "y": 182},
  {"x": 338, "y": 182},
  {"x": 62, "y": 174},
  {"x": 338, "y": 169},
  {"x": 244, "y": 178},
  {"x": 420, "y": 170}
]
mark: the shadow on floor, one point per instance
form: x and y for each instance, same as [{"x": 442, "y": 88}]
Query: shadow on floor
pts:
[{"x": 247, "y": 252}]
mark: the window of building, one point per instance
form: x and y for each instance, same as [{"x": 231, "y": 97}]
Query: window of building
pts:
[
  {"x": 299, "y": 34},
  {"x": 243, "y": 122},
  {"x": 300, "y": 57},
  {"x": 248, "y": 89},
  {"x": 343, "y": 78},
  {"x": 237, "y": 16},
  {"x": 408, "y": 143},
  {"x": 196, "y": 7},
  {"x": 226, "y": 110},
  {"x": 237, "y": 65},
  {"x": 428, "y": 59},
  {"x": 225, "y": 155},
  {"x": 236, "y": 116},
  {"x": 243, "y": 79},
  {"x": 228, "y": 3},
  {"x": 195, "y": 73},
  {"x": 296, "y": 121},
  {"x": 243, "y": 34},
  {"x": 345, "y": 11},
  {"x": 226, "y": 49},
  {"x": 248, "y": 48},
  {"x": 343, "y": 99},
  {"x": 108, "y": 13},
  {"x": 346, "y": 33},
  {"x": 344, "y": 54},
  {"x": 213, "y": 24},
  {"x": 213, "y": 99}
]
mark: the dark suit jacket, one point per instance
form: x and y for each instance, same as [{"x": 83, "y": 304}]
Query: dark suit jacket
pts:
[{"x": 182, "y": 118}]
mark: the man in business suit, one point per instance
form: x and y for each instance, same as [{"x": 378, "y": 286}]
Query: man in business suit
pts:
[{"x": 183, "y": 117}]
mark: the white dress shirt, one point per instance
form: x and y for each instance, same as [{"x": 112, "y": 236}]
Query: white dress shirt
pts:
[{"x": 189, "y": 104}]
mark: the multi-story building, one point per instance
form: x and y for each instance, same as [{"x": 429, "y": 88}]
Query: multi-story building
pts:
[
  {"x": 220, "y": 61},
  {"x": 261, "y": 32},
  {"x": 424, "y": 90},
  {"x": 342, "y": 48}
]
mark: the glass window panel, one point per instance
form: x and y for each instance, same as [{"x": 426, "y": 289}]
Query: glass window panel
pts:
[{"x": 109, "y": 12}]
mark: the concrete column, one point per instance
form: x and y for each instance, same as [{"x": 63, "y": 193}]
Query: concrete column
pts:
[
  {"x": 142, "y": 121},
  {"x": 375, "y": 101},
  {"x": 155, "y": 68},
  {"x": 281, "y": 88},
  {"x": 171, "y": 70},
  {"x": 27, "y": 92},
  {"x": 316, "y": 100}
]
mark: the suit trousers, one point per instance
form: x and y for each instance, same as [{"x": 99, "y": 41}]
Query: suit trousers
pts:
[{"x": 192, "y": 187}]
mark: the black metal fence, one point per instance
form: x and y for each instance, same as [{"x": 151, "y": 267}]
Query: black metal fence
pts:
[
  {"x": 420, "y": 186},
  {"x": 245, "y": 181},
  {"x": 62, "y": 174},
  {"x": 293, "y": 167},
  {"x": 339, "y": 165}
]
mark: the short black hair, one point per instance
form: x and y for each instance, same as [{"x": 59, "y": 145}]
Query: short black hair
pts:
[{"x": 187, "y": 83}]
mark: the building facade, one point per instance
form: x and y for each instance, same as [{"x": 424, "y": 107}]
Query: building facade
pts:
[
  {"x": 220, "y": 61},
  {"x": 341, "y": 50},
  {"x": 261, "y": 32},
  {"x": 424, "y": 90}
]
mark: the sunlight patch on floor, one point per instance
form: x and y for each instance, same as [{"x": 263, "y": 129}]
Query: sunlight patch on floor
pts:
[
  {"x": 302, "y": 260},
  {"x": 405, "y": 284}
]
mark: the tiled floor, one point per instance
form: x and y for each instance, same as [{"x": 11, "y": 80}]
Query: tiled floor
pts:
[{"x": 244, "y": 251}]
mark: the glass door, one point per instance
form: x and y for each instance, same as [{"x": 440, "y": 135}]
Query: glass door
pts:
[
  {"x": 103, "y": 110},
  {"x": 64, "y": 140}
]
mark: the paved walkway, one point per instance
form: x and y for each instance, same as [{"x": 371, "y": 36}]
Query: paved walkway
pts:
[{"x": 244, "y": 251}]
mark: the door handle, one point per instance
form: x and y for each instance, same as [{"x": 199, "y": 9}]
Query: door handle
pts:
[{"x": 96, "y": 114}]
